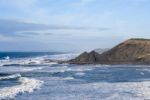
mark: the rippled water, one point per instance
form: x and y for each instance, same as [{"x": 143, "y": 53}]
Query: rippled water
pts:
[{"x": 21, "y": 80}]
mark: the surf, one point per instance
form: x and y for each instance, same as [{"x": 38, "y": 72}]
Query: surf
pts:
[
  {"x": 7, "y": 77},
  {"x": 28, "y": 85}
]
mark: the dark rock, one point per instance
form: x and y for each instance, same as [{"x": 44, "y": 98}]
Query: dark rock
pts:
[
  {"x": 85, "y": 57},
  {"x": 132, "y": 51}
]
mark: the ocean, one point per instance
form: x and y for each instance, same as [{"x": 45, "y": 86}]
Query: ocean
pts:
[{"x": 29, "y": 76}]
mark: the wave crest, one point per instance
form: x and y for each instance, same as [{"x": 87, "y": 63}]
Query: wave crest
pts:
[
  {"x": 14, "y": 76},
  {"x": 27, "y": 85}
]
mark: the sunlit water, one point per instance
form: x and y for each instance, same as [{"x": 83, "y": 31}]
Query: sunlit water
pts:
[{"x": 22, "y": 80}]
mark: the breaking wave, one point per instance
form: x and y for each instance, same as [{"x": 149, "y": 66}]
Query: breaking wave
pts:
[
  {"x": 14, "y": 76},
  {"x": 27, "y": 85}
]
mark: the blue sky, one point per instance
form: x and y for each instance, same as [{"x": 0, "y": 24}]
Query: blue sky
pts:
[{"x": 71, "y": 25}]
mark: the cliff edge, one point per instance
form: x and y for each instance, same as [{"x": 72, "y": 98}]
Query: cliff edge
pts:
[{"x": 132, "y": 51}]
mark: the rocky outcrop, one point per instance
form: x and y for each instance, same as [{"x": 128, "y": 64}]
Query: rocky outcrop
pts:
[
  {"x": 85, "y": 58},
  {"x": 132, "y": 51}
]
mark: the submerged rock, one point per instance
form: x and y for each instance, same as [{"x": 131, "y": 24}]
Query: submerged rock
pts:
[{"x": 132, "y": 51}]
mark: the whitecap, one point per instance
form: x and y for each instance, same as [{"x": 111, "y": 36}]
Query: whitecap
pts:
[
  {"x": 65, "y": 56},
  {"x": 13, "y": 69},
  {"x": 79, "y": 69},
  {"x": 7, "y": 58},
  {"x": 124, "y": 91},
  {"x": 30, "y": 69},
  {"x": 80, "y": 74},
  {"x": 14, "y": 76},
  {"x": 25, "y": 61},
  {"x": 68, "y": 78},
  {"x": 98, "y": 90},
  {"x": 27, "y": 85},
  {"x": 141, "y": 73}
]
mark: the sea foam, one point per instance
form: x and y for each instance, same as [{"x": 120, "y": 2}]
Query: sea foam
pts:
[
  {"x": 14, "y": 76},
  {"x": 27, "y": 85},
  {"x": 98, "y": 90}
]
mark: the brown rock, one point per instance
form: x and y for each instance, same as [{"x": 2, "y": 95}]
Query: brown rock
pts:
[{"x": 132, "y": 51}]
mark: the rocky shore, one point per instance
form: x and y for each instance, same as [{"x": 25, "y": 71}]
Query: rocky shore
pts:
[{"x": 132, "y": 51}]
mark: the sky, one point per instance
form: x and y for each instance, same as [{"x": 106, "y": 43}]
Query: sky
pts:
[{"x": 71, "y": 25}]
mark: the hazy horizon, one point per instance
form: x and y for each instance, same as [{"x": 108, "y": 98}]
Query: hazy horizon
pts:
[{"x": 71, "y": 25}]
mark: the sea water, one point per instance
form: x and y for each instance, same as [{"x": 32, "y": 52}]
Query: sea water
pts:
[{"x": 26, "y": 76}]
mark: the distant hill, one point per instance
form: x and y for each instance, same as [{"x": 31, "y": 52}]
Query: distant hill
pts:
[{"x": 132, "y": 51}]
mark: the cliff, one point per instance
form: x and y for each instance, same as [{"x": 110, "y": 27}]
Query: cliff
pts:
[
  {"x": 85, "y": 58},
  {"x": 132, "y": 51}
]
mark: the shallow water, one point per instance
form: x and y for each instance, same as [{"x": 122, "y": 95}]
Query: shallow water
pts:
[{"x": 52, "y": 81}]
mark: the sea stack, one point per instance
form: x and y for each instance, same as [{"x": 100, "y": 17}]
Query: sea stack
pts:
[{"x": 132, "y": 51}]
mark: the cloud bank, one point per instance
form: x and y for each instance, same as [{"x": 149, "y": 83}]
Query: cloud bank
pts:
[{"x": 18, "y": 28}]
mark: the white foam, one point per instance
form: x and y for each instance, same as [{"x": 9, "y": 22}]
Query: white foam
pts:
[
  {"x": 19, "y": 69},
  {"x": 66, "y": 56},
  {"x": 29, "y": 69},
  {"x": 80, "y": 74},
  {"x": 98, "y": 90},
  {"x": 125, "y": 91},
  {"x": 7, "y": 58},
  {"x": 54, "y": 79},
  {"x": 27, "y": 85},
  {"x": 26, "y": 61},
  {"x": 37, "y": 60},
  {"x": 10, "y": 76},
  {"x": 56, "y": 69},
  {"x": 79, "y": 69},
  {"x": 66, "y": 68},
  {"x": 141, "y": 73},
  {"x": 68, "y": 78},
  {"x": 144, "y": 69}
]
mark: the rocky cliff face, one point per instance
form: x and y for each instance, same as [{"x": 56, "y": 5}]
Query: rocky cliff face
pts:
[
  {"x": 85, "y": 58},
  {"x": 132, "y": 51}
]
